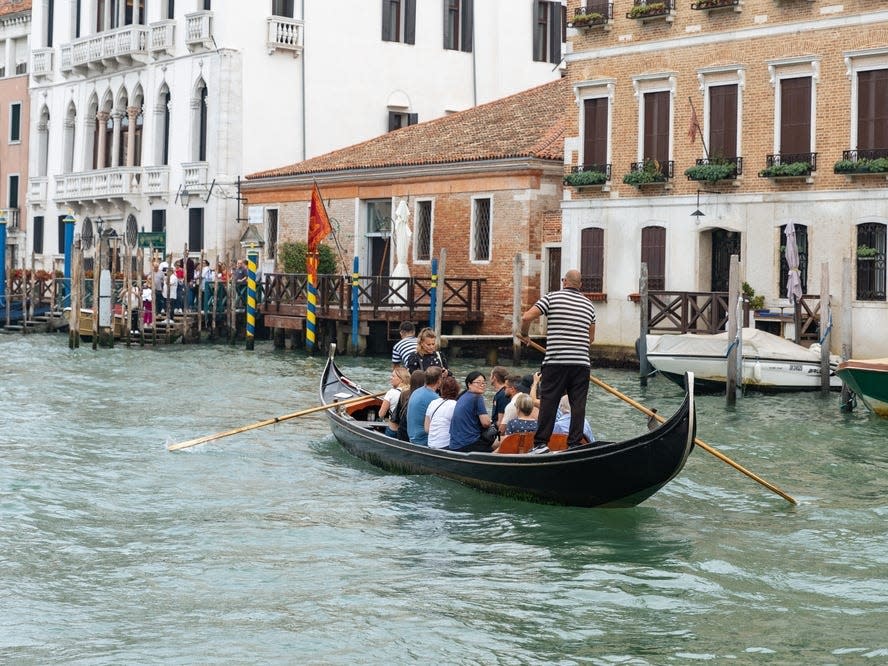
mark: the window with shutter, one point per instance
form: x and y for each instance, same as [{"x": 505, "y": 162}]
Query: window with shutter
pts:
[
  {"x": 653, "y": 253},
  {"x": 656, "y": 127},
  {"x": 37, "y": 234},
  {"x": 795, "y": 116},
  {"x": 481, "y": 229},
  {"x": 458, "y": 17},
  {"x": 595, "y": 112},
  {"x": 872, "y": 110},
  {"x": 399, "y": 21},
  {"x": 548, "y": 26},
  {"x": 592, "y": 260},
  {"x": 195, "y": 229},
  {"x": 723, "y": 122}
]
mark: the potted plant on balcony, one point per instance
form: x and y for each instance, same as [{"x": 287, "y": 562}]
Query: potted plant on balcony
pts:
[
  {"x": 713, "y": 4},
  {"x": 789, "y": 170},
  {"x": 588, "y": 19},
  {"x": 712, "y": 172},
  {"x": 755, "y": 302},
  {"x": 649, "y": 9},
  {"x": 866, "y": 252},
  {"x": 649, "y": 173},
  {"x": 585, "y": 178},
  {"x": 863, "y": 165}
]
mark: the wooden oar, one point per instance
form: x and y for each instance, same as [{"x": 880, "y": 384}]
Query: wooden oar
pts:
[
  {"x": 267, "y": 422},
  {"x": 699, "y": 442}
]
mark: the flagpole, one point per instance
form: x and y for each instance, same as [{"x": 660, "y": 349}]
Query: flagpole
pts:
[{"x": 695, "y": 125}]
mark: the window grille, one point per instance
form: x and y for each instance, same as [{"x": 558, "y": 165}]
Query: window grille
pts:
[
  {"x": 481, "y": 230},
  {"x": 871, "y": 239},
  {"x": 423, "y": 250}
]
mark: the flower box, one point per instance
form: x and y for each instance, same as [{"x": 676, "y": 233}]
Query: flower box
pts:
[
  {"x": 712, "y": 172},
  {"x": 709, "y": 5},
  {"x": 862, "y": 166},
  {"x": 651, "y": 10},
  {"x": 789, "y": 170}
]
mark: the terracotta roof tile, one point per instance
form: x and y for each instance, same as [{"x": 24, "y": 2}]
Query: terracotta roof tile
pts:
[{"x": 529, "y": 124}]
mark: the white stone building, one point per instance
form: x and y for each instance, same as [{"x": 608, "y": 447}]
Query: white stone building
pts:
[{"x": 145, "y": 113}]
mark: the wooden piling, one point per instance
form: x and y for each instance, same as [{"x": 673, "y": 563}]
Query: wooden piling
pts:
[
  {"x": 76, "y": 295},
  {"x": 825, "y": 327},
  {"x": 439, "y": 303},
  {"x": 644, "y": 366},
  {"x": 517, "y": 289},
  {"x": 847, "y": 404},
  {"x": 735, "y": 360}
]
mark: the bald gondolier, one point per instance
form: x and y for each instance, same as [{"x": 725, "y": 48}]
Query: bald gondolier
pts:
[{"x": 570, "y": 333}]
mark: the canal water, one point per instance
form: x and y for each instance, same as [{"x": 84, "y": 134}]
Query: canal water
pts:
[{"x": 275, "y": 546}]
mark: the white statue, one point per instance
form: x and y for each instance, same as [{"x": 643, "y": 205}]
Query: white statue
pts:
[{"x": 401, "y": 239}]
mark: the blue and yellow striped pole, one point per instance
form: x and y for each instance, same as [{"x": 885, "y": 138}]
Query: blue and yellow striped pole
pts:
[
  {"x": 252, "y": 264},
  {"x": 355, "y": 309},
  {"x": 311, "y": 319}
]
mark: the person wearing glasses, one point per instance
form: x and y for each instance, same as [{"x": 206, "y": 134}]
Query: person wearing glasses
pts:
[
  {"x": 570, "y": 331},
  {"x": 470, "y": 418}
]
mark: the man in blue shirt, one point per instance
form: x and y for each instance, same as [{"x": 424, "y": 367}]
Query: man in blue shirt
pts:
[{"x": 419, "y": 403}]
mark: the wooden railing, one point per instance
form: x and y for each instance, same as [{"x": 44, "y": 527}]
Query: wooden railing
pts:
[
  {"x": 707, "y": 312},
  {"x": 375, "y": 293}
]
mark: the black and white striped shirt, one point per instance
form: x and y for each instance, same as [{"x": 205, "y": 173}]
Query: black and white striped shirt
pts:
[
  {"x": 402, "y": 349},
  {"x": 569, "y": 316}
]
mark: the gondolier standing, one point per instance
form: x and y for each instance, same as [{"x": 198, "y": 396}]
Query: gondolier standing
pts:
[{"x": 570, "y": 333}]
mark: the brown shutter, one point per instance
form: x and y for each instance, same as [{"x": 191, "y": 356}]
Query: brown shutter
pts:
[
  {"x": 592, "y": 259},
  {"x": 795, "y": 116},
  {"x": 722, "y": 122},
  {"x": 656, "y": 127},
  {"x": 595, "y": 132},
  {"x": 872, "y": 110},
  {"x": 653, "y": 253}
]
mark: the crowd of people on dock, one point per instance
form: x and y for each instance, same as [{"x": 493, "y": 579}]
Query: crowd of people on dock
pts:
[
  {"x": 165, "y": 288},
  {"x": 427, "y": 406}
]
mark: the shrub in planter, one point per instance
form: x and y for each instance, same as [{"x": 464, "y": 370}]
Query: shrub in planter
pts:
[
  {"x": 583, "y": 178},
  {"x": 785, "y": 170},
  {"x": 711, "y": 172},
  {"x": 865, "y": 251},
  {"x": 293, "y": 258},
  {"x": 864, "y": 165},
  {"x": 649, "y": 174},
  {"x": 639, "y": 11},
  {"x": 592, "y": 18}
]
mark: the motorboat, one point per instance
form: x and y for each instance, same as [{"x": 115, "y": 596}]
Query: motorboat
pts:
[{"x": 869, "y": 380}]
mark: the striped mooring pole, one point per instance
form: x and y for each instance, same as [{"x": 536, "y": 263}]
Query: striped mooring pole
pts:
[{"x": 252, "y": 263}]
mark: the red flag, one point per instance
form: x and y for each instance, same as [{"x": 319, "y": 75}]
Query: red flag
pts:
[
  {"x": 318, "y": 222},
  {"x": 694, "y": 126}
]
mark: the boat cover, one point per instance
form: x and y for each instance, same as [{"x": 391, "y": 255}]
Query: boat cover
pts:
[{"x": 756, "y": 344}]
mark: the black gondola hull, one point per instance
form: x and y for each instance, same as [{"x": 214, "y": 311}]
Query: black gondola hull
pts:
[{"x": 612, "y": 474}]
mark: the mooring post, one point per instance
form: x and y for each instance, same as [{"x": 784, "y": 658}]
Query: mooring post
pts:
[
  {"x": 847, "y": 404},
  {"x": 442, "y": 293},
  {"x": 644, "y": 366},
  {"x": 517, "y": 290},
  {"x": 825, "y": 327},
  {"x": 735, "y": 360},
  {"x": 76, "y": 296},
  {"x": 252, "y": 264}
]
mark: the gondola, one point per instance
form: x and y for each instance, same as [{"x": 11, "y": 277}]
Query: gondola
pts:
[{"x": 602, "y": 474}]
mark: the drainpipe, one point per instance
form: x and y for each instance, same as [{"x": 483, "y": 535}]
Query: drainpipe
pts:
[{"x": 302, "y": 68}]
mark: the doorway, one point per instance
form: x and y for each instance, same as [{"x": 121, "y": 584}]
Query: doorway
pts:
[{"x": 724, "y": 244}]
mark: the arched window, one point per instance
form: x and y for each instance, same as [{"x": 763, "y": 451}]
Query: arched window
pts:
[
  {"x": 801, "y": 236},
  {"x": 871, "y": 247},
  {"x": 70, "y": 129},
  {"x": 43, "y": 143},
  {"x": 162, "y": 123},
  {"x": 199, "y": 151}
]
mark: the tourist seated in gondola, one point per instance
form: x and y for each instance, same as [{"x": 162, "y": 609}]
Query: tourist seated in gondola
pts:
[
  {"x": 470, "y": 418},
  {"x": 417, "y": 381},
  {"x": 527, "y": 385},
  {"x": 419, "y": 403},
  {"x": 440, "y": 413},
  {"x": 391, "y": 403},
  {"x": 562, "y": 421},
  {"x": 426, "y": 355},
  {"x": 525, "y": 421}
]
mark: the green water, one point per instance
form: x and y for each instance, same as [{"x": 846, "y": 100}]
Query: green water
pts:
[{"x": 275, "y": 546}]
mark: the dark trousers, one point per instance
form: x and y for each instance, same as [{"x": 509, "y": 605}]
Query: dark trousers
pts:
[{"x": 555, "y": 381}]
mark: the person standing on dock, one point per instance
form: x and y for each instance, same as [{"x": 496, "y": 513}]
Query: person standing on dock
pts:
[
  {"x": 570, "y": 333},
  {"x": 405, "y": 346}
]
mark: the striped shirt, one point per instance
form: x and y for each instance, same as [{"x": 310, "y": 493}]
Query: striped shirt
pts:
[
  {"x": 569, "y": 315},
  {"x": 402, "y": 349}
]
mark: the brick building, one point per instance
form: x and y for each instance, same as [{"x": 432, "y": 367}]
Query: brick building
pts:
[
  {"x": 791, "y": 100},
  {"x": 485, "y": 184}
]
